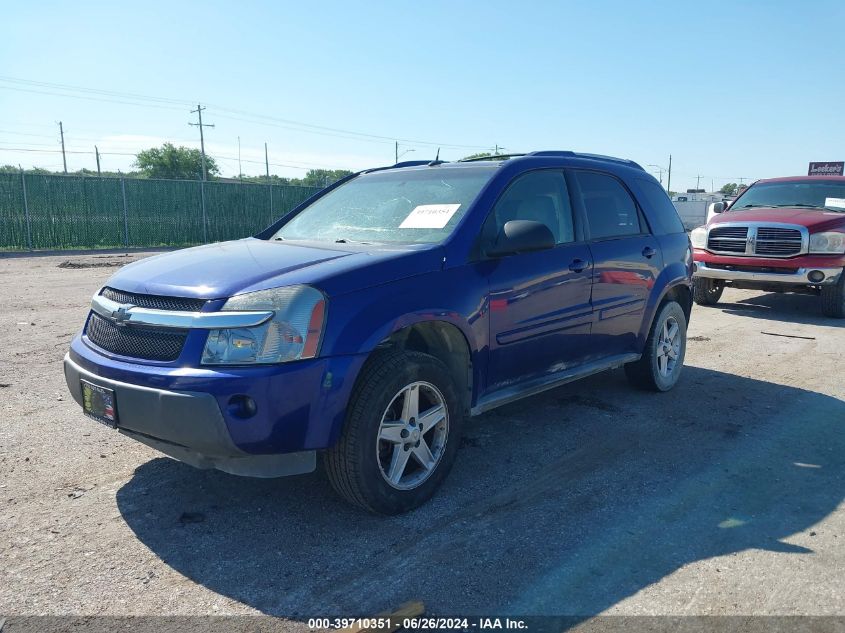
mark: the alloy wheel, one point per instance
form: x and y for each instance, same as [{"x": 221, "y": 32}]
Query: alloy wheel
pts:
[
  {"x": 668, "y": 347},
  {"x": 412, "y": 435}
]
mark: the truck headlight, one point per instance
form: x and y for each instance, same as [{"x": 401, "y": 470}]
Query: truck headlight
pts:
[
  {"x": 830, "y": 243},
  {"x": 294, "y": 332},
  {"x": 698, "y": 237}
]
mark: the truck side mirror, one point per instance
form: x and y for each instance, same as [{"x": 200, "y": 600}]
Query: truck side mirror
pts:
[{"x": 714, "y": 209}]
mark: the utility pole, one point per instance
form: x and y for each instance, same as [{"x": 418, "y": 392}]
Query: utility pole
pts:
[
  {"x": 240, "y": 169},
  {"x": 660, "y": 171},
  {"x": 62, "y": 134},
  {"x": 395, "y": 152},
  {"x": 669, "y": 177},
  {"x": 97, "y": 154},
  {"x": 266, "y": 162},
  {"x": 698, "y": 182},
  {"x": 200, "y": 125}
]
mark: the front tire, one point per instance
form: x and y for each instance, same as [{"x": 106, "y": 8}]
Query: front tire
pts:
[
  {"x": 663, "y": 357},
  {"x": 705, "y": 291},
  {"x": 401, "y": 433},
  {"x": 833, "y": 298}
]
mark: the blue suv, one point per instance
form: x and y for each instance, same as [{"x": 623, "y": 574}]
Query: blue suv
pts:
[{"x": 368, "y": 323}]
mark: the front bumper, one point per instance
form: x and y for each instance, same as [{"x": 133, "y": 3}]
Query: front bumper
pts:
[
  {"x": 187, "y": 426},
  {"x": 799, "y": 276},
  {"x": 185, "y": 411}
]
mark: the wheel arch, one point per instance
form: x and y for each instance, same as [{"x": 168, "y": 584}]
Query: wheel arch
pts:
[
  {"x": 443, "y": 340},
  {"x": 675, "y": 285}
]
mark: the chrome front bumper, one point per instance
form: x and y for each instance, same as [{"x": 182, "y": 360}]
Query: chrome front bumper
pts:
[{"x": 800, "y": 276}]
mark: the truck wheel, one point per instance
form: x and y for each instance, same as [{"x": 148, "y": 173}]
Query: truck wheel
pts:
[
  {"x": 833, "y": 299},
  {"x": 401, "y": 433},
  {"x": 663, "y": 357},
  {"x": 705, "y": 291}
]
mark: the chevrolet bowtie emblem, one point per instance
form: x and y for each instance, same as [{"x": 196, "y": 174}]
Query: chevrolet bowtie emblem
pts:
[{"x": 121, "y": 315}]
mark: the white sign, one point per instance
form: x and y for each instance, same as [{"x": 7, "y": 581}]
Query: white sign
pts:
[
  {"x": 429, "y": 216},
  {"x": 838, "y": 203}
]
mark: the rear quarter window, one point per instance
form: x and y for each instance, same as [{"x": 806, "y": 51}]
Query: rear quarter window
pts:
[{"x": 659, "y": 210}]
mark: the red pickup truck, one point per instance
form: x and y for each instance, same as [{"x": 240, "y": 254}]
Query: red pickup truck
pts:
[{"x": 780, "y": 235}]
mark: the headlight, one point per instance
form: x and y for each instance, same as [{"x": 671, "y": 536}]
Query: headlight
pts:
[
  {"x": 293, "y": 333},
  {"x": 698, "y": 237},
  {"x": 827, "y": 243}
]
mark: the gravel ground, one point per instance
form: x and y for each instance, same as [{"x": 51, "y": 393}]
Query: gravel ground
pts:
[{"x": 722, "y": 497}]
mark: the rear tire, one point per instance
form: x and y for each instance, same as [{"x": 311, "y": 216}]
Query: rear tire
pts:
[
  {"x": 705, "y": 291},
  {"x": 393, "y": 454},
  {"x": 833, "y": 299},
  {"x": 660, "y": 366}
]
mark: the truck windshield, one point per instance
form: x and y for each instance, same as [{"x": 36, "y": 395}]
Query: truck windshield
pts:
[
  {"x": 824, "y": 194},
  {"x": 406, "y": 205}
]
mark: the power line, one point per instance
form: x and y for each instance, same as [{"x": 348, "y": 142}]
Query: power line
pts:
[{"x": 260, "y": 119}]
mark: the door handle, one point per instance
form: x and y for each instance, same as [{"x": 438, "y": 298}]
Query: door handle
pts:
[
  {"x": 649, "y": 252},
  {"x": 578, "y": 265}
]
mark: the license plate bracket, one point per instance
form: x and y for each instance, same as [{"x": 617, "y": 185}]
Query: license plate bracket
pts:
[{"x": 99, "y": 403}]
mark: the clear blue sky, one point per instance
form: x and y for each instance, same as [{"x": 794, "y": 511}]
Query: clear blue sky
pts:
[{"x": 729, "y": 89}]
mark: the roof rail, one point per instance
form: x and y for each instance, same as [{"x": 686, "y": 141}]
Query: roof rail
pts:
[
  {"x": 491, "y": 157},
  {"x": 624, "y": 161},
  {"x": 407, "y": 163}
]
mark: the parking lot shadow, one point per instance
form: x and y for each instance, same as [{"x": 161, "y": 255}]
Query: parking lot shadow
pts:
[
  {"x": 562, "y": 504},
  {"x": 791, "y": 308}
]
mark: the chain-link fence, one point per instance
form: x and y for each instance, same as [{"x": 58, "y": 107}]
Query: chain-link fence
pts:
[{"x": 39, "y": 211}]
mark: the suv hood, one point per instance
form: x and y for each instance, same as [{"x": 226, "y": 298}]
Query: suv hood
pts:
[
  {"x": 217, "y": 271},
  {"x": 813, "y": 219}
]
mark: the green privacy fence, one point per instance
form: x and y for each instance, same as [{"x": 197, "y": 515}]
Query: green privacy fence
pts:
[{"x": 40, "y": 211}]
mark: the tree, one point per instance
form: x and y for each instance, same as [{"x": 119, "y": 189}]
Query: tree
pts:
[
  {"x": 178, "y": 163},
  {"x": 729, "y": 189},
  {"x": 322, "y": 177}
]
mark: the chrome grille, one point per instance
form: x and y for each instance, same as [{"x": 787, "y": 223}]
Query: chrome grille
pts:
[
  {"x": 763, "y": 240},
  {"x": 154, "y": 302},
  {"x": 136, "y": 342},
  {"x": 727, "y": 239},
  {"x": 141, "y": 342},
  {"x": 778, "y": 242}
]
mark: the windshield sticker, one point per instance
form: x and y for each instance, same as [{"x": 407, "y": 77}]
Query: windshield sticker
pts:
[
  {"x": 429, "y": 216},
  {"x": 838, "y": 203}
]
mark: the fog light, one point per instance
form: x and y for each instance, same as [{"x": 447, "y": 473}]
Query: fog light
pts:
[
  {"x": 242, "y": 407},
  {"x": 816, "y": 276}
]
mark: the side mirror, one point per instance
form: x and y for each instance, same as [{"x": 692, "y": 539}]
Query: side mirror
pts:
[
  {"x": 521, "y": 236},
  {"x": 714, "y": 209}
]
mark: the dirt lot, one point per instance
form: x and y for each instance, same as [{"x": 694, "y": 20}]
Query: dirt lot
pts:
[{"x": 724, "y": 496}]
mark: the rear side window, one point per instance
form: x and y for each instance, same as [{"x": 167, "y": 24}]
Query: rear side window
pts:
[
  {"x": 610, "y": 209},
  {"x": 663, "y": 217}
]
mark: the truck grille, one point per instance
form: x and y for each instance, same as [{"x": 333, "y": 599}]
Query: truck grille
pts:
[
  {"x": 778, "y": 242},
  {"x": 161, "y": 344},
  {"x": 763, "y": 241},
  {"x": 727, "y": 239}
]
